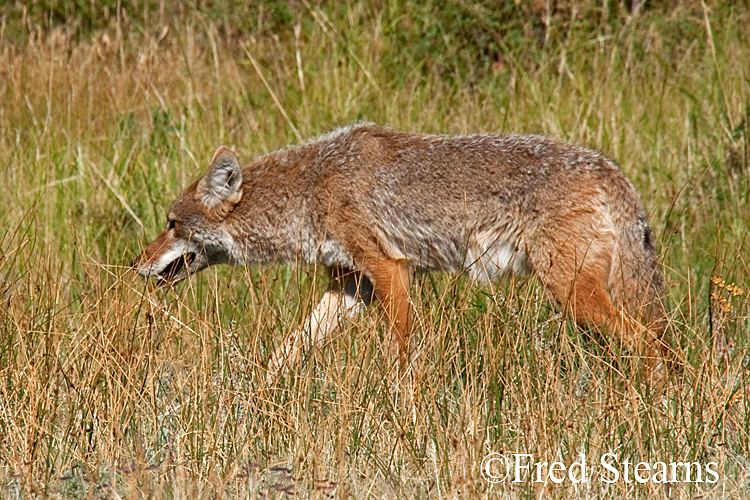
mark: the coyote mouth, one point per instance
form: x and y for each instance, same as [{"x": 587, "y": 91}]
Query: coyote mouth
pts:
[{"x": 176, "y": 270}]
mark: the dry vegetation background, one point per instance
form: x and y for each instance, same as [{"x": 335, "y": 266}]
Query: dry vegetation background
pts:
[{"x": 111, "y": 389}]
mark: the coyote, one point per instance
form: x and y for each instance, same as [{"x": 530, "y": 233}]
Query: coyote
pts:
[{"x": 368, "y": 202}]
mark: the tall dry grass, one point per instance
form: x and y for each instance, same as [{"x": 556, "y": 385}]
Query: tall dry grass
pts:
[{"x": 113, "y": 389}]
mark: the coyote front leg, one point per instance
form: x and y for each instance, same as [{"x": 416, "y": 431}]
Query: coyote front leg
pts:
[
  {"x": 348, "y": 293},
  {"x": 390, "y": 280}
]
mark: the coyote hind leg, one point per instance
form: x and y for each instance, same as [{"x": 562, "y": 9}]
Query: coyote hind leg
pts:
[
  {"x": 348, "y": 293},
  {"x": 577, "y": 277}
]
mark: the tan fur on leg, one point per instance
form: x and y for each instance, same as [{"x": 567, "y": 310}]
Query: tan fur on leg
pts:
[
  {"x": 390, "y": 279},
  {"x": 342, "y": 301}
]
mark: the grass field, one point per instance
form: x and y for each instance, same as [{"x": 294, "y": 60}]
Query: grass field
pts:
[{"x": 112, "y": 389}]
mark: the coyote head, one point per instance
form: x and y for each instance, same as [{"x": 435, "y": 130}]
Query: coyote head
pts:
[{"x": 196, "y": 235}]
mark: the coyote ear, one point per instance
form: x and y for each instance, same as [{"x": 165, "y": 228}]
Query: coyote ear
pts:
[{"x": 222, "y": 182}]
